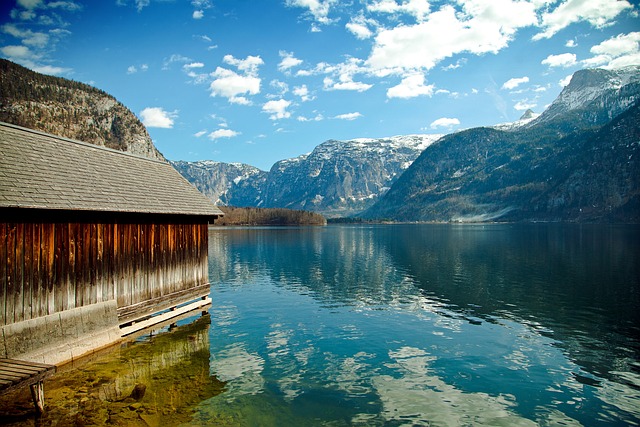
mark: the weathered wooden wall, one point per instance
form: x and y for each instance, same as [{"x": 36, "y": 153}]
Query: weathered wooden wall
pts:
[{"x": 48, "y": 267}]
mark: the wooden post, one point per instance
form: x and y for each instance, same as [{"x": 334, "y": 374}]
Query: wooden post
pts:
[{"x": 37, "y": 393}]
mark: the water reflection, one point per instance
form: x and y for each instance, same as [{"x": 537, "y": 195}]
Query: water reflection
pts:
[{"x": 482, "y": 325}]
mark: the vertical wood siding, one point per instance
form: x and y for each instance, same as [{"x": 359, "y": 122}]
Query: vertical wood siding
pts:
[{"x": 51, "y": 267}]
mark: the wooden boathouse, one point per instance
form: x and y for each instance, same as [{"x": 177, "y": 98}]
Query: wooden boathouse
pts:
[{"x": 93, "y": 242}]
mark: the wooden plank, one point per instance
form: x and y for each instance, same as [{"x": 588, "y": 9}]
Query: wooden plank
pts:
[
  {"x": 37, "y": 297},
  {"x": 27, "y": 275},
  {"x": 18, "y": 373},
  {"x": 108, "y": 239},
  {"x": 137, "y": 289},
  {"x": 86, "y": 265},
  {"x": 15, "y": 369},
  {"x": 137, "y": 326},
  {"x": 19, "y": 362},
  {"x": 3, "y": 272},
  {"x": 79, "y": 265},
  {"x": 10, "y": 273},
  {"x": 66, "y": 289},
  {"x": 59, "y": 282},
  {"x": 130, "y": 287},
  {"x": 163, "y": 302},
  {"x": 18, "y": 295},
  {"x": 71, "y": 265},
  {"x": 48, "y": 256},
  {"x": 101, "y": 283}
]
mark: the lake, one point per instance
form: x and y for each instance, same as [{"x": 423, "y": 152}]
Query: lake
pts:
[
  {"x": 426, "y": 325},
  {"x": 387, "y": 325}
]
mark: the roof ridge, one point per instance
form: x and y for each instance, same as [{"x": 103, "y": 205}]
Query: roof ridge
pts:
[{"x": 81, "y": 143}]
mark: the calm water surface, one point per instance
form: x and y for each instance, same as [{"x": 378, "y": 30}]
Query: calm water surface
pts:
[
  {"x": 442, "y": 325},
  {"x": 397, "y": 325}
]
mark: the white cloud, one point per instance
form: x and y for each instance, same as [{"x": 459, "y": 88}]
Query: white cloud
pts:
[
  {"x": 199, "y": 134},
  {"x": 564, "y": 82},
  {"x": 525, "y": 105},
  {"x": 229, "y": 84},
  {"x": 277, "y": 109},
  {"x": 141, "y": 4},
  {"x": 132, "y": 69},
  {"x": 484, "y": 26},
  {"x": 359, "y": 27},
  {"x": 318, "y": 9},
  {"x": 288, "y": 61},
  {"x": 410, "y": 87},
  {"x": 348, "y": 116},
  {"x": 16, "y": 51},
  {"x": 193, "y": 65},
  {"x": 303, "y": 93},
  {"x": 564, "y": 60},
  {"x": 249, "y": 65},
  {"x": 571, "y": 43},
  {"x": 174, "y": 58},
  {"x": 198, "y": 14},
  {"x": 64, "y": 5},
  {"x": 616, "y": 52},
  {"x": 515, "y": 82},
  {"x": 28, "y": 37},
  {"x": 445, "y": 122},
  {"x": 222, "y": 133},
  {"x": 345, "y": 84},
  {"x": 417, "y": 8},
  {"x": 30, "y": 4},
  {"x": 343, "y": 75},
  {"x": 598, "y": 13},
  {"x": 156, "y": 117},
  {"x": 280, "y": 86},
  {"x": 49, "y": 69},
  {"x": 318, "y": 117}
]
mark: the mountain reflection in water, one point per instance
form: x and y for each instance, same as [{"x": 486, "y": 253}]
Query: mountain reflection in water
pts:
[
  {"x": 427, "y": 324},
  {"x": 439, "y": 325}
]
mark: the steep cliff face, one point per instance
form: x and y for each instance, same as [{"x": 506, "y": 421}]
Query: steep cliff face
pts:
[
  {"x": 227, "y": 184},
  {"x": 340, "y": 178},
  {"x": 70, "y": 109},
  {"x": 575, "y": 162}
]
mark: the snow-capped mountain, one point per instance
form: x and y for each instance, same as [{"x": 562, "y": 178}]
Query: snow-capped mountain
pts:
[
  {"x": 611, "y": 92},
  {"x": 337, "y": 178},
  {"x": 578, "y": 161},
  {"x": 343, "y": 177},
  {"x": 527, "y": 117},
  {"x": 225, "y": 183}
]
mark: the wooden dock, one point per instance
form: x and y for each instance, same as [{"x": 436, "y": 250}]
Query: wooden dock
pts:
[{"x": 18, "y": 373}]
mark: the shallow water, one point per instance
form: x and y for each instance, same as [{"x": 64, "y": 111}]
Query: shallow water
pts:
[{"x": 440, "y": 325}]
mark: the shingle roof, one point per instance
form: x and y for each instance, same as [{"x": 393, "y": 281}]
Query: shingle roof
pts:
[{"x": 38, "y": 170}]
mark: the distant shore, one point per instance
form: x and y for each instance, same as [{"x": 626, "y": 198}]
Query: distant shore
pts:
[{"x": 234, "y": 216}]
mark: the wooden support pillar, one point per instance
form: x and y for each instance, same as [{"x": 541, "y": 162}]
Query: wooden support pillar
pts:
[{"x": 37, "y": 393}]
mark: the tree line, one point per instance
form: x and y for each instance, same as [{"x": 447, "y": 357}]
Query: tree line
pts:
[{"x": 268, "y": 216}]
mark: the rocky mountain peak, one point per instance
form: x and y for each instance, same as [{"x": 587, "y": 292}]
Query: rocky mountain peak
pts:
[
  {"x": 529, "y": 115},
  {"x": 609, "y": 88},
  {"x": 71, "y": 110}
]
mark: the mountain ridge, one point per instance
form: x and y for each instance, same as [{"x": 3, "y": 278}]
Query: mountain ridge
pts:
[
  {"x": 485, "y": 174},
  {"x": 337, "y": 178},
  {"x": 70, "y": 109}
]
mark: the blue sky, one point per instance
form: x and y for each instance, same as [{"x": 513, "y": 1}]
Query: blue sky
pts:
[{"x": 257, "y": 81}]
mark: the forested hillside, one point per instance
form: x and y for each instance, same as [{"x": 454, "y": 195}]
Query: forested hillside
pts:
[{"x": 70, "y": 109}]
